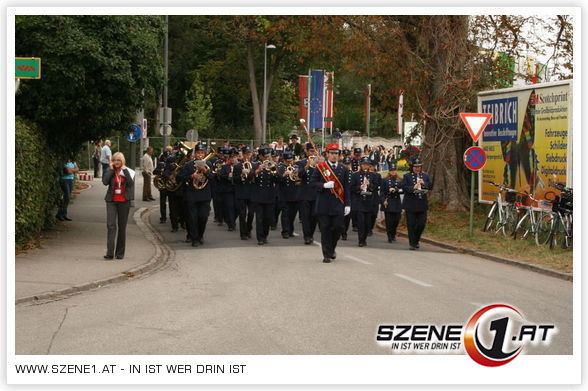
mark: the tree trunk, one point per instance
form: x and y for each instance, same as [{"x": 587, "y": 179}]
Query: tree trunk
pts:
[
  {"x": 254, "y": 96},
  {"x": 444, "y": 136}
]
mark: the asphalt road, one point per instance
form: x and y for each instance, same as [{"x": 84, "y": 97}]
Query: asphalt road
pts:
[{"x": 234, "y": 297}]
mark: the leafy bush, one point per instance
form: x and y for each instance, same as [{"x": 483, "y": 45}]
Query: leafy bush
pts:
[{"x": 36, "y": 182}]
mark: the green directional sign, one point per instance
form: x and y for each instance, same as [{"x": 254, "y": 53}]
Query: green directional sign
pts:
[{"x": 27, "y": 68}]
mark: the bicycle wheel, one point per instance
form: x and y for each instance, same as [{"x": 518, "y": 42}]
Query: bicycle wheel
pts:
[
  {"x": 568, "y": 233},
  {"x": 543, "y": 228},
  {"x": 523, "y": 227},
  {"x": 491, "y": 216},
  {"x": 510, "y": 220},
  {"x": 556, "y": 236}
]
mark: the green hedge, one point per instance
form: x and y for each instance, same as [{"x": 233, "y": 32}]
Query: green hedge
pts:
[{"x": 37, "y": 183}]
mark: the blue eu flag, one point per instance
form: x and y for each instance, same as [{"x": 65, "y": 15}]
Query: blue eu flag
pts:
[{"x": 316, "y": 99}]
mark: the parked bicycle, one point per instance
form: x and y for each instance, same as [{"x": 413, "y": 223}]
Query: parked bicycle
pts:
[
  {"x": 561, "y": 230},
  {"x": 502, "y": 216},
  {"x": 533, "y": 221}
]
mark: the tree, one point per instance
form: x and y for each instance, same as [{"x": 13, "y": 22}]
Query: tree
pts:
[
  {"x": 94, "y": 69},
  {"x": 198, "y": 106}
]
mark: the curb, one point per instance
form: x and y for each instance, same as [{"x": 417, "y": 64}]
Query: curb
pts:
[
  {"x": 495, "y": 258},
  {"x": 163, "y": 255}
]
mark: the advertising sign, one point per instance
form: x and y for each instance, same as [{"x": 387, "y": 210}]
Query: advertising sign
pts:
[{"x": 528, "y": 140}]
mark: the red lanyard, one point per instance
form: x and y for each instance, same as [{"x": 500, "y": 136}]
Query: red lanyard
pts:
[{"x": 118, "y": 180}]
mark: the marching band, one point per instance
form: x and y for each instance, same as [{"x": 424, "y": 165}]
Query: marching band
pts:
[{"x": 332, "y": 190}]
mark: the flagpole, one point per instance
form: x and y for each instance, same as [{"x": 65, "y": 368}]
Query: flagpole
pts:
[
  {"x": 369, "y": 104},
  {"x": 308, "y": 87},
  {"x": 323, "y": 109}
]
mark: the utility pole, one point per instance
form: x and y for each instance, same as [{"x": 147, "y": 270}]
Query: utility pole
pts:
[{"x": 165, "y": 68}]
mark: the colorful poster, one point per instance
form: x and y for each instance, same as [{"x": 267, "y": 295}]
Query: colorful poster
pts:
[{"x": 526, "y": 140}]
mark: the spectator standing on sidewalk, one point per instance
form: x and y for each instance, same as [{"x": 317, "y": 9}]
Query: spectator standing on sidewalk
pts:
[
  {"x": 66, "y": 181},
  {"x": 96, "y": 158},
  {"x": 147, "y": 168},
  {"x": 105, "y": 156},
  {"x": 121, "y": 190}
]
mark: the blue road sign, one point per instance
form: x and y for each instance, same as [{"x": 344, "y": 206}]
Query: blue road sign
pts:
[
  {"x": 135, "y": 133},
  {"x": 474, "y": 158}
]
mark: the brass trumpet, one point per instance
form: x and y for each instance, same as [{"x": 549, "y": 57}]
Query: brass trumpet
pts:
[
  {"x": 247, "y": 166},
  {"x": 292, "y": 173},
  {"x": 270, "y": 166}
]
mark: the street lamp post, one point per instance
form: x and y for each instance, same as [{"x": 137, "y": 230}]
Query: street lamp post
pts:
[{"x": 264, "y": 103}]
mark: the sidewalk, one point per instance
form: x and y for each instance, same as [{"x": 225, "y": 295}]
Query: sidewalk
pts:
[{"x": 71, "y": 257}]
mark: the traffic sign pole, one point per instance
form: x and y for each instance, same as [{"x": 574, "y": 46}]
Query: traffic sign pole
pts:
[{"x": 472, "y": 200}]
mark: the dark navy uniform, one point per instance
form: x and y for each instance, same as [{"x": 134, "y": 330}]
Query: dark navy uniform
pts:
[
  {"x": 329, "y": 209},
  {"x": 162, "y": 192},
  {"x": 197, "y": 201},
  {"x": 306, "y": 200},
  {"x": 390, "y": 191},
  {"x": 415, "y": 204},
  {"x": 175, "y": 197},
  {"x": 243, "y": 190},
  {"x": 348, "y": 218},
  {"x": 287, "y": 197},
  {"x": 216, "y": 198},
  {"x": 264, "y": 196},
  {"x": 226, "y": 189},
  {"x": 363, "y": 202}
]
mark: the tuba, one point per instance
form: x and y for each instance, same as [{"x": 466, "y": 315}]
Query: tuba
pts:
[
  {"x": 171, "y": 184},
  {"x": 201, "y": 168},
  {"x": 159, "y": 182}
]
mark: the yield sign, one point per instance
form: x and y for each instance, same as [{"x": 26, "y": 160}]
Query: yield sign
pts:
[{"x": 475, "y": 123}]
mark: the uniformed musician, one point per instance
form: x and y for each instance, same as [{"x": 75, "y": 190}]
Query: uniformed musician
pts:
[
  {"x": 175, "y": 196},
  {"x": 197, "y": 177},
  {"x": 217, "y": 161},
  {"x": 264, "y": 194},
  {"x": 226, "y": 188},
  {"x": 415, "y": 185},
  {"x": 288, "y": 194},
  {"x": 390, "y": 192},
  {"x": 364, "y": 189},
  {"x": 243, "y": 189},
  {"x": 158, "y": 171},
  {"x": 333, "y": 200},
  {"x": 307, "y": 193},
  {"x": 347, "y": 163},
  {"x": 356, "y": 159}
]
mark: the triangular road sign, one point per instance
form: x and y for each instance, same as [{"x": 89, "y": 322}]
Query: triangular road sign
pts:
[{"x": 475, "y": 123}]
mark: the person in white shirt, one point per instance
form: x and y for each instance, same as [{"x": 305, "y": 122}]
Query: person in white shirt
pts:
[
  {"x": 147, "y": 168},
  {"x": 105, "y": 156}
]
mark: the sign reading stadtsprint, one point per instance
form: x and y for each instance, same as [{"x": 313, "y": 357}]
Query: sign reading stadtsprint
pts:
[{"x": 27, "y": 68}]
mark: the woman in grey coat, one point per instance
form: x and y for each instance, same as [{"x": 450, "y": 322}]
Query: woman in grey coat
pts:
[{"x": 121, "y": 191}]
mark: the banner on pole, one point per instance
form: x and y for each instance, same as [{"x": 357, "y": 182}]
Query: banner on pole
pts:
[
  {"x": 303, "y": 97},
  {"x": 329, "y": 80},
  {"x": 316, "y": 100}
]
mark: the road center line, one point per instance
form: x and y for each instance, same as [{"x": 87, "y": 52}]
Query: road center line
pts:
[
  {"x": 349, "y": 256},
  {"x": 413, "y": 280},
  {"x": 357, "y": 259}
]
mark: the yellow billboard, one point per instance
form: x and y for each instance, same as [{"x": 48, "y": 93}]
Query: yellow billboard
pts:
[{"x": 528, "y": 139}]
